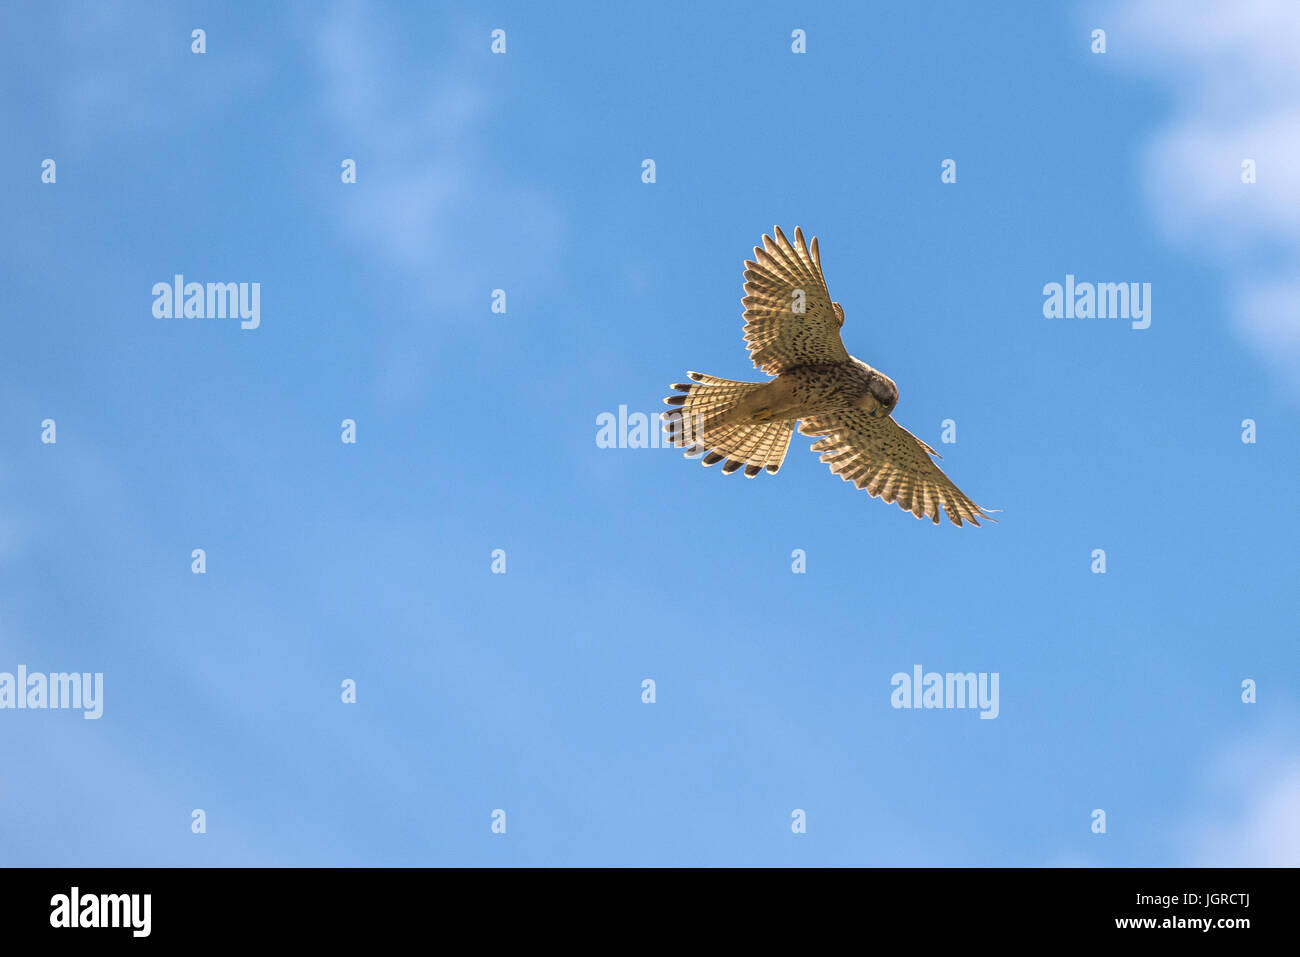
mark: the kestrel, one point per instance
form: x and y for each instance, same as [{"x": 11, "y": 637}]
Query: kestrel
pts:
[{"x": 792, "y": 329}]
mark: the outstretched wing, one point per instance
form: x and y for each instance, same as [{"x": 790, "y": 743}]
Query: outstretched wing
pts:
[
  {"x": 789, "y": 317},
  {"x": 890, "y": 462}
]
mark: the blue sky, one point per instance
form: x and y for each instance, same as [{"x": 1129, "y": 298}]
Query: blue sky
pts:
[{"x": 476, "y": 431}]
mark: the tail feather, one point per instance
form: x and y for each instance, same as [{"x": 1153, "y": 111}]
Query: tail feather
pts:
[{"x": 699, "y": 425}]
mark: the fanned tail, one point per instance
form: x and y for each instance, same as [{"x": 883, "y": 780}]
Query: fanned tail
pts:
[{"x": 701, "y": 426}]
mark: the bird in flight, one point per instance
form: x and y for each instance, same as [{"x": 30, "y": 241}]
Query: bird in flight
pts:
[{"x": 792, "y": 330}]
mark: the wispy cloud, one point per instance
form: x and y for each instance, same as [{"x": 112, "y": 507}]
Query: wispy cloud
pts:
[
  {"x": 433, "y": 205},
  {"x": 1234, "y": 78},
  {"x": 425, "y": 175},
  {"x": 1249, "y": 809},
  {"x": 415, "y": 159}
]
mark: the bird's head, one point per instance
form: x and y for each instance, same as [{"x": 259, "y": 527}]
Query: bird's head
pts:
[{"x": 882, "y": 394}]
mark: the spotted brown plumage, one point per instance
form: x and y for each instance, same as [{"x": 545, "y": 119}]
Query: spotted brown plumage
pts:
[
  {"x": 879, "y": 455},
  {"x": 792, "y": 331},
  {"x": 778, "y": 337}
]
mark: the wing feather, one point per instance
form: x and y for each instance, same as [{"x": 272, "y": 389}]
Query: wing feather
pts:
[
  {"x": 891, "y": 463},
  {"x": 779, "y": 338}
]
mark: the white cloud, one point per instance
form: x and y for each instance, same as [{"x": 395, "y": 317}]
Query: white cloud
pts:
[
  {"x": 1234, "y": 76},
  {"x": 1249, "y": 813},
  {"x": 418, "y": 137},
  {"x": 436, "y": 204},
  {"x": 413, "y": 164}
]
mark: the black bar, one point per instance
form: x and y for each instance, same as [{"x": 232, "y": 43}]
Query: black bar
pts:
[{"x": 333, "y": 906}]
